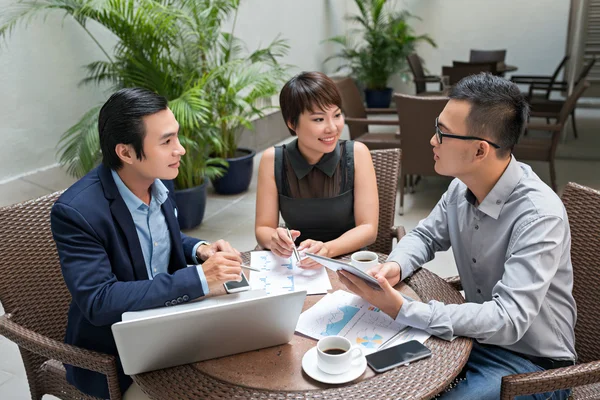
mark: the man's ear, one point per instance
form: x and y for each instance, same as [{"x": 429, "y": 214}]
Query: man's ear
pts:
[{"x": 126, "y": 153}]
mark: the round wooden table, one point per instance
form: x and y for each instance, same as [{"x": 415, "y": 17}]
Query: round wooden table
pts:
[{"x": 276, "y": 372}]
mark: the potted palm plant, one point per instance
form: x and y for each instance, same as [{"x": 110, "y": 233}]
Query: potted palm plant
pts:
[
  {"x": 386, "y": 39},
  {"x": 163, "y": 47},
  {"x": 241, "y": 91}
]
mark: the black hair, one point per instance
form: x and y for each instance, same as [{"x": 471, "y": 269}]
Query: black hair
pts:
[
  {"x": 307, "y": 91},
  {"x": 499, "y": 111},
  {"x": 121, "y": 121}
]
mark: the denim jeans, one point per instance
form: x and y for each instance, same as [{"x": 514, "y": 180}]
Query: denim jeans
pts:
[{"x": 484, "y": 371}]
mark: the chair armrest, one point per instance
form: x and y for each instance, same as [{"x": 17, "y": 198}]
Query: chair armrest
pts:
[
  {"x": 368, "y": 121},
  {"x": 65, "y": 353},
  {"x": 397, "y": 232},
  {"x": 381, "y": 111},
  {"x": 544, "y": 114},
  {"x": 544, "y": 127},
  {"x": 557, "y": 86},
  {"x": 530, "y": 78},
  {"x": 455, "y": 282},
  {"x": 550, "y": 380},
  {"x": 428, "y": 78}
]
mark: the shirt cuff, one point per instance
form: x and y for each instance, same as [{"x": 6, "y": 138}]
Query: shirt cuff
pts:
[
  {"x": 404, "y": 263},
  {"x": 194, "y": 254},
  {"x": 202, "y": 279},
  {"x": 414, "y": 313}
]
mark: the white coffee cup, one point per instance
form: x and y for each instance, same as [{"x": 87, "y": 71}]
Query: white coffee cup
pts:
[
  {"x": 364, "y": 260},
  {"x": 335, "y": 355}
]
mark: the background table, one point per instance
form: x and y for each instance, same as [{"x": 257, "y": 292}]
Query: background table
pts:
[{"x": 276, "y": 372}]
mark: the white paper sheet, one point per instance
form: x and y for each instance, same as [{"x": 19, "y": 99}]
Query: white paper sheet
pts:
[
  {"x": 280, "y": 275},
  {"x": 345, "y": 314}
]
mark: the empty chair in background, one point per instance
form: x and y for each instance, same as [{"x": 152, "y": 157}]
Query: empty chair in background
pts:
[
  {"x": 355, "y": 115},
  {"x": 416, "y": 115},
  {"x": 541, "y": 149},
  {"x": 487, "y": 56},
  {"x": 420, "y": 79}
]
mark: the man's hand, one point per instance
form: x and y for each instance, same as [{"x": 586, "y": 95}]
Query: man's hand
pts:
[
  {"x": 389, "y": 270},
  {"x": 204, "y": 251},
  {"x": 313, "y": 247},
  {"x": 387, "y": 300},
  {"x": 281, "y": 244},
  {"x": 222, "y": 267}
]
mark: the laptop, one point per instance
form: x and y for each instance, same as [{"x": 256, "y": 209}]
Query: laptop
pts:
[{"x": 166, "y": 337}]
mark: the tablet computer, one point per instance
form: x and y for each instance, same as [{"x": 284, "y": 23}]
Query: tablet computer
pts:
[{"x": 336, "y": 265}]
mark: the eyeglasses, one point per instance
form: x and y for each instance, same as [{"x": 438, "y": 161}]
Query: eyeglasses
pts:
[{"x": 441, "y": 134}]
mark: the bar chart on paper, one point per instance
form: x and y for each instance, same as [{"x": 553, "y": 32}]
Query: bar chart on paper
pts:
[{"x": 281, "y": 275}]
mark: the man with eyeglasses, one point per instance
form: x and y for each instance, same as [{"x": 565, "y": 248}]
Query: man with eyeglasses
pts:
[{"x": 510, "y": 237}]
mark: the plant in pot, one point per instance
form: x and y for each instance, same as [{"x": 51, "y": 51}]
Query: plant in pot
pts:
[
  {"x": 386, "y": 40},
  {"x": 160, "y": 46},
  {"x": 241, "y": 91}
]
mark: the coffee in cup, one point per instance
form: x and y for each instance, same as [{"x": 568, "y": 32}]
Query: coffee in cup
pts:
[
  {"x": 364, "y": 260},
  {"x": 335, "y": 355}
]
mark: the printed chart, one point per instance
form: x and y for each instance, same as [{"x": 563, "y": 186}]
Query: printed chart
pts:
[
  {"x": 280, "y": 275},
  {"x": 344, "y": 314}
]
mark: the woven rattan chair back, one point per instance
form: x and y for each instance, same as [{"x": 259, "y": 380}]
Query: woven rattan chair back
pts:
[
  {"x": 32, "y": 288},
  {"x": 583, "y": 209},
  {"x": 387, "y": 167}
]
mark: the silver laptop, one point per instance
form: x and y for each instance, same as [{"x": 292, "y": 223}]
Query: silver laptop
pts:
[{"x": 162, "y": 338}]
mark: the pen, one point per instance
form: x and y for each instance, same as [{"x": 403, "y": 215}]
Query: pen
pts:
[
  {"x": 390, "y": 340},
  {"x": 250, "y": 268},
  {"x": 295, "y": 250}
]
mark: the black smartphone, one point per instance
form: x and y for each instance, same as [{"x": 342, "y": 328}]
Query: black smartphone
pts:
[
  {"x": 401, "y": 354},
  {"x": 234, "y": 286}
]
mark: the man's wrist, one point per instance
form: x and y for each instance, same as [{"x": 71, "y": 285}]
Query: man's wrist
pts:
[{"x": 198, "y": 253}]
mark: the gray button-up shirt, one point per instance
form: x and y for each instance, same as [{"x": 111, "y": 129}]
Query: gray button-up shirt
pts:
[{"x": 513, "y": 257}]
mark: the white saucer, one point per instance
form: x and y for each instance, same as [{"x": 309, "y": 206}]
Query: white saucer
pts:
[{"x": 309, "y": 365}]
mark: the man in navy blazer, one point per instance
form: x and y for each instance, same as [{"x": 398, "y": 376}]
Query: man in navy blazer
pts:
[{"x": 117, "y": 233}]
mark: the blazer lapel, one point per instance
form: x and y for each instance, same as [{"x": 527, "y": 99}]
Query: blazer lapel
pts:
[
  {"x": 121, "y": 214},
  {"x": 177, "y": 257}
]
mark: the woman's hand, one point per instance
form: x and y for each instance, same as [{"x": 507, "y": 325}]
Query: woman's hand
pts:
[
  {"x": 314, "y": 247},
  {"x": 281, "y": 244}
]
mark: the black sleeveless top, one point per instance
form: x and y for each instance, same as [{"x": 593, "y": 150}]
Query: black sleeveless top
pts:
[{"x": 317, "y": 200}]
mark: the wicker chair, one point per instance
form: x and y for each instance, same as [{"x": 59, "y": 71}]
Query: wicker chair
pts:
[
  {"x": 420, "y": 79},
  {"x": 583, "y": 208},
  {"x": 543, "y": 106},
  {"x": 358, "y": 123},
  {"x": 36, "y": 301},
  {"x": 417, "y": 116},
  {"x": 387, "y": 167},
  {"x": 487, "y": 56}
]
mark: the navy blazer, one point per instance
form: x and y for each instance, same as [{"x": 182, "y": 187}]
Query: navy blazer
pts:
[{"x": 104, "y": 269}]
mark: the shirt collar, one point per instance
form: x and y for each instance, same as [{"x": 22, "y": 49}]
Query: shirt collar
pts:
[
  {"x": 494, "y": 202},
  {"x": 327, "y": 163},
  {"x": 159, "y": 193}
]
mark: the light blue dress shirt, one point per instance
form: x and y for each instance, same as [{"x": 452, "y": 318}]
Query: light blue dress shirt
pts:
[
  {"x": 513, "y": 254},
  {"x": 152, "y": 229}
]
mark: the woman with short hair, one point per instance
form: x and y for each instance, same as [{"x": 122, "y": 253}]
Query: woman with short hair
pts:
[{"x": 325, "y": 189}]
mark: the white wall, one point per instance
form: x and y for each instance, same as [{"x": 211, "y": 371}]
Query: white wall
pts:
[
  {"x": 41, "y": 65},
  {"x": 534, "y": 32}
]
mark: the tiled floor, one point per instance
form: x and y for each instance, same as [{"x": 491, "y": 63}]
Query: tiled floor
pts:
[{"x": 232, "y": 218}]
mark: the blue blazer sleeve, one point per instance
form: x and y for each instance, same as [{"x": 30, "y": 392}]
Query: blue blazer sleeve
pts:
[{"x": 91, "y": 279}]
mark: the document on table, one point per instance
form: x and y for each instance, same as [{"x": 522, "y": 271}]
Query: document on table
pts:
[
  {"x": 345, "y": 314},
  {"x": 280, "y": 275}
]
